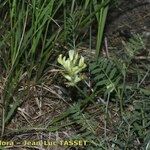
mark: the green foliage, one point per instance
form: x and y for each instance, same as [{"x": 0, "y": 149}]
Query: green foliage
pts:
[
  {"x": 71, "y": 29},
  {"x": 105, "y": 74},
  {"x": 85, "y": 122},
  {"x": 101, "y": 19},
  {"x": 87, "y": 126},
  {"x": 133, "y": 46}
]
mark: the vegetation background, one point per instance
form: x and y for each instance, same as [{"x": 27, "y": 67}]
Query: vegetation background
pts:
[{"x": 110, "y": 107}]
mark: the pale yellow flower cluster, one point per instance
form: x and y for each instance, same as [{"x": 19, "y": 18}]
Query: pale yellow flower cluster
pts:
[{"x": 72, "y": 67}]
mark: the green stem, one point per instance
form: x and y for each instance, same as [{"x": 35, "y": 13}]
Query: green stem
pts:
[
  {"x": 81, "y": 91},
  {"x": 87, "y": 98}
]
